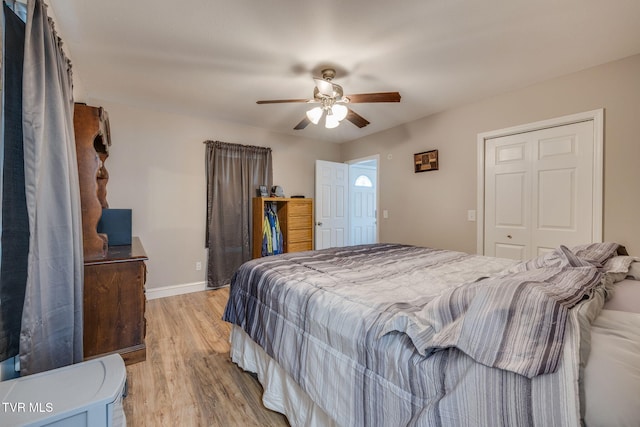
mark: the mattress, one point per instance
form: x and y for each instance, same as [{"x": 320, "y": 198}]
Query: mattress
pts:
[{"x": 612, "y": 374}]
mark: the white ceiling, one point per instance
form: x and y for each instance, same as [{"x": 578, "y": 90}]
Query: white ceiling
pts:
[{"x": 216, "y": 58}]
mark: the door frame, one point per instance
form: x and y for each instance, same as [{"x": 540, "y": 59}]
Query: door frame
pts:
[
  {"x": 597, "y": 116},
  {"x": 375, "y": 157}
]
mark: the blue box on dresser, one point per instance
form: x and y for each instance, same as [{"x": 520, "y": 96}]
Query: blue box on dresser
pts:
[{"x": 116, "y": 224}]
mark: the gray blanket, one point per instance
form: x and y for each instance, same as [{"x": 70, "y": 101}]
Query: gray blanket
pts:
[
  {"x": 399, "y": 335},
  {"x": 514, "y": 322}
]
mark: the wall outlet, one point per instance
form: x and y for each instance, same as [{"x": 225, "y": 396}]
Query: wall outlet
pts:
[
  {"x": 198, "y": 266},
  {"x": 385, "y": 213}
]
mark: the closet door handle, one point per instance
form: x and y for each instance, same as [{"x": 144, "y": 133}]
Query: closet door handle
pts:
[{"x": 319, "y": 224}]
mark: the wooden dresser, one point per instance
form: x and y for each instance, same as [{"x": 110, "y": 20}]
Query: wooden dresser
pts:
[
  {"x": 296, "y": 223},
  {"x": 114, "y": 303},
  {"x": 114, "y": 276}
]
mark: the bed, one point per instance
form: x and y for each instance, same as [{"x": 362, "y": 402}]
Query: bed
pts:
[{"x": 391, "y": 334}]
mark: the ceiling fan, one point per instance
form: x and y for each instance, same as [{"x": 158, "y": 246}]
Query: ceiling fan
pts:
[{"x": 332, "y": 102}]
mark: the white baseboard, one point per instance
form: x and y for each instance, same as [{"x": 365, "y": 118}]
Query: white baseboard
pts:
[{"x": 168, "y": 291}]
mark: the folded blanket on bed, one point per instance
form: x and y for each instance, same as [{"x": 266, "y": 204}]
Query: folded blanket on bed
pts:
[{"x": 514, "y": 322}]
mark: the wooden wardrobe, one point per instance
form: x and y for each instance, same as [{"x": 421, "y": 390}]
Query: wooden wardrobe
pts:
[{"x": 295, "y": 216}]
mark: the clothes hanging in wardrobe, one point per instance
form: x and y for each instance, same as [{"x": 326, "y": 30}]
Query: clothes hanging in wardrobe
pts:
[{"x": 272, "y": 241}]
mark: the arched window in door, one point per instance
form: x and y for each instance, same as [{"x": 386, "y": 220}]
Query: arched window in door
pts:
[{"x": 363, "y": 181}]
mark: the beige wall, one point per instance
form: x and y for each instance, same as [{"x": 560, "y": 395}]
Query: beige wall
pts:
[
  {"x": 156, "y": 168},
  {"x": 430, "y": 208}
]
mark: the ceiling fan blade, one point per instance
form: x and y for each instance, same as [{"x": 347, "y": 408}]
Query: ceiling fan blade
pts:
[
  {"x": 324, "y": 87},
  {"x": 375, "y": 97},
  {"x": 282, "y": 101},
  {"x": 356, "y": 119},
  {"x": 303, "y": 124}
]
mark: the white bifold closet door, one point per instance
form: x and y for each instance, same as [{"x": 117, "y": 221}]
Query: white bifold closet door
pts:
[{"x": 539, "y": 191}]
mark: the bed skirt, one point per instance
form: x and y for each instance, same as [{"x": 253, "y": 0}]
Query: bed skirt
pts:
[{"x": 281, "y": 393}]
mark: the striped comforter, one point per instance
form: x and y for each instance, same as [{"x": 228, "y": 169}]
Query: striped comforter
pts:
[{"x": 392, "y": 334}]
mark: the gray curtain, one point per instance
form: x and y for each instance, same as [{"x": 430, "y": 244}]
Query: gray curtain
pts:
[
  {"x": 51, "y": 334},
  {"x": 234, "y": 173},
  {"x": 14, "y": 242}
]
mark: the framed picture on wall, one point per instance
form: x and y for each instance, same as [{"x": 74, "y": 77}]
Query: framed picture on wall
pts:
[{"x": 425, "y": 161}]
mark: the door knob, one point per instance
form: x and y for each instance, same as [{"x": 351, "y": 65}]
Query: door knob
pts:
[
  {"x": 319, "y": 224},
  {"x": 509, "y": 236}
]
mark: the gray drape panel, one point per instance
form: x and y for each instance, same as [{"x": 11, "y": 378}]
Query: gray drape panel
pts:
[
  {"x": 15, "y": 225},
  {"x": 51, "y": 333},
  {"x": 234, "y": 173}
]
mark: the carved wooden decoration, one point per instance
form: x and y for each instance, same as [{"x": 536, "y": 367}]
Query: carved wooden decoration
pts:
[
  {"x": 103, "y": 174},
  {"x": 91, "y": 125}
]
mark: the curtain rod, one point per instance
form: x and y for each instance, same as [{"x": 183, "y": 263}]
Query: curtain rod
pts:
[
  {"x": 210, "y": 141},
  {"x": 25, "y": 2}
]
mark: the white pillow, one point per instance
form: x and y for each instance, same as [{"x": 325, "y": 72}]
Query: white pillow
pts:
[
  {"x": 625, "y": 296},
  {"x": 634, "y": 271},
  {"x": 612, "y": 374},
  {"x": 617, "y": 267}
]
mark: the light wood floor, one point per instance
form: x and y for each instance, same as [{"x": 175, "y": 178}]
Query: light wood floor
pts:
[{"x": 188, "y": 378}]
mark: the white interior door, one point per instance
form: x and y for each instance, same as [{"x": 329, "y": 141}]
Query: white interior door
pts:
[
  {"x": 539, "y": 191},
  {"x": 331, "y": 201},
  {"x": 362, "y": 202}
]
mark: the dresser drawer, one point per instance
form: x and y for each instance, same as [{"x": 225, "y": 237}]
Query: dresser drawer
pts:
[
  {"x": 297, "y": 222},
  {"x": 299, "y": 246},
  {"x": 299, "y": 235},
  {"x": 301, "y": 208}
]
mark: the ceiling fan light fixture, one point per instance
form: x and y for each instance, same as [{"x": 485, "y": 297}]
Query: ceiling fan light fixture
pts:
[
  {"x": 325, "y": 87},
  {"x": 331, "y": 121},
  {"x": 314, "y": 115},
  {"x": 339, "y": 111},
  {"x": 331, "y": 98}
]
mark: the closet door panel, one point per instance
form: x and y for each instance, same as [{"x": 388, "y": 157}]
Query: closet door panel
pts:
[
  {"x": 508, "y": 197},
  {"x": 563, "y": 187}
]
